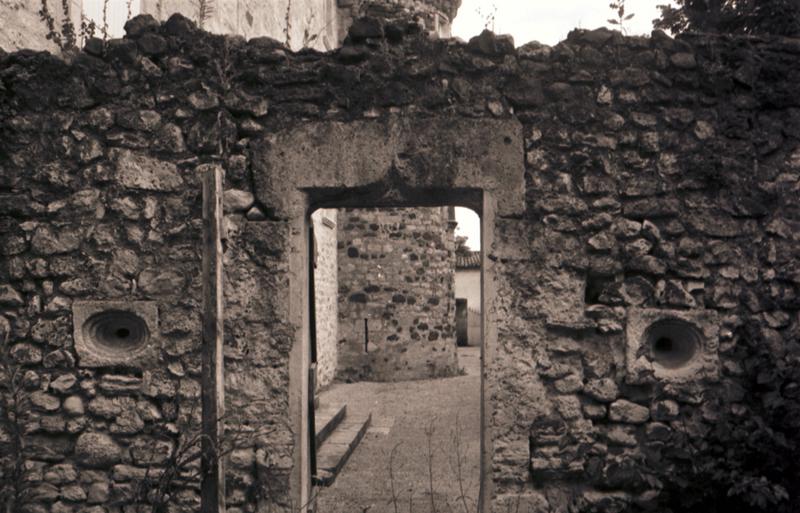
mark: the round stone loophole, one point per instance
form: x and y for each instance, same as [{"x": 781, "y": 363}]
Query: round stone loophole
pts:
[
  {"x": 116, "y": 332},
  {"x": 673, "y": 343}
]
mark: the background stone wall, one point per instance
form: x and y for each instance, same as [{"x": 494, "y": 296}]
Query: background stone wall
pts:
[
  {"x": 22, "y": 26},
  {"x": 318, "y": 24},
  {"x": 303, "y": 23},
  {"x": 660, "y": 175},
  {"x": 326, "y": 293},
  {"x": 396, "y": 270}
]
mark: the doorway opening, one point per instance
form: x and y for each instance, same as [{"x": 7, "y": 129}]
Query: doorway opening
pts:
[{"x": 395, "y": 382}]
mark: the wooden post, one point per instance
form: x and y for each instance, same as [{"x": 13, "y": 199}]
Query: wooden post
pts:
[{"x": 213, "y": 383}]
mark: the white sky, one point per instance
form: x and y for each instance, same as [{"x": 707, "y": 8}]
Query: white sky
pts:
[
  {"x": 549, "y": 21},
  {"x": 116, "y": 14},
  {"x": 469, "y": 226}
]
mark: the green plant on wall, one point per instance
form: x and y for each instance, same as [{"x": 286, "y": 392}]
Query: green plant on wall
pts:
[
  {"x": 780, "y": 17},
  {"x": 205, "y": 10},
  {"x": 619, "y": 7},
  {"x": 14, "y": 418},
  {"x": 66, "y": 36},
  {"x": 488, "y": 16}
]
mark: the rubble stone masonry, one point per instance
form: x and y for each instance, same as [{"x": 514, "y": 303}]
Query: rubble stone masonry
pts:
[
  {"x": 396, "y": 296},
  {"x": 660, "y": 200}
]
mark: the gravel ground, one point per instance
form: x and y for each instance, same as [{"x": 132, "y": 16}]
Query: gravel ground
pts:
[{"x": 402, "y": 413}]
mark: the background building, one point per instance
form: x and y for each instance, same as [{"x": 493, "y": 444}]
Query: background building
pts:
[{"x": 468, "y": 298}]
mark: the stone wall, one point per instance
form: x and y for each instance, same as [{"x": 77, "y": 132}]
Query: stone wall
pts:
[
  {"x": 660, "y": 213},
  {"x": 326, "y": 293},
  {"x": 396, "y": 303},
  {"x": 100, "y": 208}
]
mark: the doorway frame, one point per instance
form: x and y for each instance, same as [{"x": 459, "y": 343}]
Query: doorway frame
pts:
[
  {"x": 397, "y": 160},
  {"x": 300, "y": 308}
]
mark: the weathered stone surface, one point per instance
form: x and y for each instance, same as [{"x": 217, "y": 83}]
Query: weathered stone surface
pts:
[
  {"x": 26, "y": 354},
  {"x": 204, "y": 99},
  {"x": 73, "y": 405},
  {"x": 665, "y": 410},
  {"x": 128, "y": 422},
  {"x": 107, "y": 407},
  {"x": 49, "y": 241},
  {"x": 151, "y": 451},
  {"x": 61, "y": 474},
  {"x": 627, "y": 411},
  {"x": 683, "y": 60},
  {"x": 620, "y": 435},
  {"x": 139, "y": 171},
  {"x": 675, "y": 294},
  {"x": 367, "y": 27},
  {"x": 10, "y": 297},
  {"x": 240, "y": 102},
  {"x": 363, "y": 153},
  {"x": 97, "y": 450},
  {"x": 603, "y": 390},
  {"x": 236, "y": 200},
  {"x": 491, "y": 44},
  {"x": 139, "y": 25},
  {"x": 45, "y": 401},
  {"x": 120, "y": 384},
  {"x": 147, "y": 120},
  {"x": 128, "y": 473},
  {"x": 98, "y": 493},
  {"x": 63, "y": 383},
  {"x": 156, "y": 283}
]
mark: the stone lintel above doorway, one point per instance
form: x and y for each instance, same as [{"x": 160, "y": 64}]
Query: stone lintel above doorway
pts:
[{"x": 395, "y": 161}]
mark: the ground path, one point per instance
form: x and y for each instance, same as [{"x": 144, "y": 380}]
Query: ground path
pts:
[{"x": 401, "y": 415}]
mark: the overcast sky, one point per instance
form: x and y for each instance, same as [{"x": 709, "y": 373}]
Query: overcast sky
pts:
[
  {"x": 549, "y": 21},
  {"x": 116, "y": 14}
]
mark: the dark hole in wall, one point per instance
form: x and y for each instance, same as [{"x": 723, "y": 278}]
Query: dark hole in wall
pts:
[
  {"x": 461, "y": 322},
  {"x": 595, "y": 285},
  {"x": 663, "y": 345},
  {"x": 673, "y": 342}
]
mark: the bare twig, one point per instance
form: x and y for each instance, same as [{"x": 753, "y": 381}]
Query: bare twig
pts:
[
  {"x": 287, "y": 30},
  {"x": 205, "y": 9},
  {"x": 104, "y": 28},
  {"x": 430, "y": 429},
  {"x": 457, "y": 462},
  {"x": 14, "y": 408},
  {"x": 395, "y": 498}
]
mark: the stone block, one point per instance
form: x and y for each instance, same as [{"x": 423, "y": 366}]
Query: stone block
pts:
[
  {"x": 116, "y": 333},
  {"x": 398, "y": 152},
  {"x": 628, "y": 412},
  {"x": 674, "y": 346}
]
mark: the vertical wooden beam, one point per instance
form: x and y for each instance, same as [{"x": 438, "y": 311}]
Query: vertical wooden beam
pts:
[
  {"x": 488, "y": 346},
  {"x": 299, "y": 357},
  {"x": 213, "y": 383}
]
